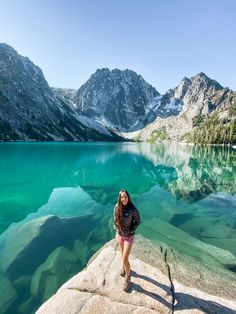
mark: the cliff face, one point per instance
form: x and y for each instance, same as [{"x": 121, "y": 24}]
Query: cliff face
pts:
[
  {"x": 121, "y": 99},
  {"x": 155, "y": 285},
  {"x": 194, "y": 101},
  {"x": 196, "y": 94},
  {"x": 31, "y": 110}
]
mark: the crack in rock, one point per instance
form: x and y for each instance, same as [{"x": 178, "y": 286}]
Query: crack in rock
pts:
[
  {"x": 107, "y": 270},
  {"x": 103, "y": 293},
  {"x": 172, "y": 287}
]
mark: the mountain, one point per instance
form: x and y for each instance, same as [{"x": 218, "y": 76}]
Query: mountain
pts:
[
  {"x": 66, "y": 93},
  {"x": 196, "y": 94},
  {"x": 31, "y": 110},
  {"x": 111, "y": 105},
  {"x": 195, "y": 100},
  {"x": 217, "y": 127},
  {"x": 121, "y": 99}
]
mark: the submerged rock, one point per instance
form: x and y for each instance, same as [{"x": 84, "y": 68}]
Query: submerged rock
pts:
[
  {"x": 27, "y": 306},
  {"x": 8, "y": 294},
  {"x": 154, "y": 288},
  {"x": 156, "y": 228},
  {"x": 60, "y": 264},
  {"x": 30, "y": 249},
  {"x": 81, "y": 251},
  {"x": 36, "y": 239}
]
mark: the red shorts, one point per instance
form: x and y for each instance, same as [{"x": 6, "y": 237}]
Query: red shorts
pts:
[{"x": 124, "y": 240}]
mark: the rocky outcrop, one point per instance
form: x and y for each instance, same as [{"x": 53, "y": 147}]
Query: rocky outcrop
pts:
[
  {"x": 66, "y": 93},
  {"x": 154, "y": 288}
]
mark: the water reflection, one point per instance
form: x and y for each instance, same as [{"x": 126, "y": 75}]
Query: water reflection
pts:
[
  {"x": 34, "y": 170},
  {"x": 199, "y": 171},
  {"x": 185, "y": 194},
  {"x": 31, "y": 171}
]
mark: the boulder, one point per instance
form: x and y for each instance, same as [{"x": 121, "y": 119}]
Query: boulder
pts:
[
  {"x": 59, "y": 265},
  {"x": 28, "y": 306},
  {"x": 179, "y": 240},
  {"x": 81, "y": 251},
  {"x": 23, "y": 256},
  {"x": 22, "y": 282},
  {"x": 185, "y": 269},
  {"x": 8, "y": 294}
]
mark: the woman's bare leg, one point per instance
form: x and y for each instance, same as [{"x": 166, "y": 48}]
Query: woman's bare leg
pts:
[
  {"x": 122, "y": 250},
  {"x": 125, "y": 256}
]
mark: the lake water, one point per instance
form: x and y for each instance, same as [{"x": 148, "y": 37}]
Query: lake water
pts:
[{"x": 182, "y": 192}]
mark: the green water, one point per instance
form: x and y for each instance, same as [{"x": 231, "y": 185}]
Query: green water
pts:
[{"x": 182, "y": 192}]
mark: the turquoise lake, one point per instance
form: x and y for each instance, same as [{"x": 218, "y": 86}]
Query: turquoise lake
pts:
[{"x": 182, "y": 192}]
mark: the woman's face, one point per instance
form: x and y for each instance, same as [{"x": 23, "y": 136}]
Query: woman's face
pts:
[{"x": 124, "y": 198}]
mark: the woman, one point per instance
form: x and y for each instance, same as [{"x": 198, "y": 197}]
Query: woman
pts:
[{"x": 126, "y": 221}]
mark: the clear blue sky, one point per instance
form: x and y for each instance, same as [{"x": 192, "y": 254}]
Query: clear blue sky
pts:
[{"x": 163, "y": 40}]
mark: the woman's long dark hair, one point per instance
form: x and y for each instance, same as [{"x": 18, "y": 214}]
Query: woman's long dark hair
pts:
[{"x": 120, "y": 207}]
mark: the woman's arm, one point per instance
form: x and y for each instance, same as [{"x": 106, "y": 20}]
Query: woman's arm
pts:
[
  {"x": 135, "y": 219},
  {"x": 114, "y": 218}
]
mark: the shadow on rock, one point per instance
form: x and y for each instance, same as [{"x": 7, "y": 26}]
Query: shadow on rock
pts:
[{"x": 182, "y": 301}]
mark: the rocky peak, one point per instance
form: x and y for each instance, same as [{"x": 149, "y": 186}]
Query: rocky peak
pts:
[
  {"x": 6, "y": 52},
  {"x": 120, "y": 98},
  {"x": 24, "y": 90},
  {"x": 181, "y": 90},
  {"x": 30, "y": 109},
  {"x": 196, "y": 94},
  {"x": 116, "y": 74},
  {"x": 202, "y": 81},
  {"x": 15, "y": 70},
  {"x": 198, "y": 84}
]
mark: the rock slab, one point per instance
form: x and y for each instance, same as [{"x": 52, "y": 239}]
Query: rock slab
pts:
[{"x": 98, "y": 289}]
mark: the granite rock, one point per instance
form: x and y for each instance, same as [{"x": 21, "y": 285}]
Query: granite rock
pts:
[{"x": 98, "y": 288}]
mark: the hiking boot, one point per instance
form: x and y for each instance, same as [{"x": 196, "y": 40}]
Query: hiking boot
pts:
[
  {"x": 122, "y": 272},
  {"x": 127, "y": 283}
]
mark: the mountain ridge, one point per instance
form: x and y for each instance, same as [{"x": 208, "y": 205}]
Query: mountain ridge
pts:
[
  {"x": 111, "y": 105},
  {"x": 30, "y": 110}
]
